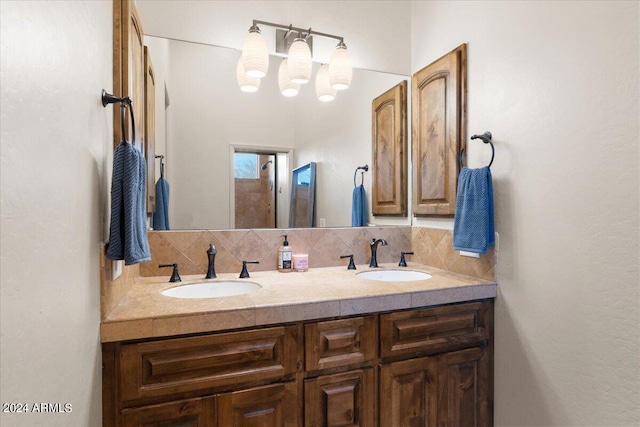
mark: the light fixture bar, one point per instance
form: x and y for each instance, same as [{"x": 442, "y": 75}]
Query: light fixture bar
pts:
[{"x": 306, "y": 31}]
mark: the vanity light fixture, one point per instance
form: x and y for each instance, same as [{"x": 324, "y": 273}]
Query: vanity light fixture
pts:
[
  {"x": 287, "y": 87},
  {"x": 298, "y": 65},
  {"x": 340, "y": 70},
  {"x": 300, "y": 62},
  {"x": 255, "y": 57},
  {"x": 246, "y": 82},
  {"x": 324, "y": 91}
]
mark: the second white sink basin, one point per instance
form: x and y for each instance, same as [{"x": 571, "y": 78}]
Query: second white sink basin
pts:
[
  {"x": 394, "y": 275},
  {"x": 212, "y": 289}
]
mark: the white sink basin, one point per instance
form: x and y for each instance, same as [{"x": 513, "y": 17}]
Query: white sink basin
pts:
[
  {"x": 212, "y": 289},
  {"x": 394, "y": 275}
]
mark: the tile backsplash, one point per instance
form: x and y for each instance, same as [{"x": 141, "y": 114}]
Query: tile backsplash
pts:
[
  {"x": 434, "y": 247},
  {"x": 431, "y": 246},
  {"x": 324, "y": 246}
]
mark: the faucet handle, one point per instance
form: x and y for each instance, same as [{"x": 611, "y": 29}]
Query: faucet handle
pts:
[
  {"x": 244, "y": 274},
  {"x": 352, "y": 265},
  {"x": 175, "y": 276},
  {"x": 403, "y": 262}
]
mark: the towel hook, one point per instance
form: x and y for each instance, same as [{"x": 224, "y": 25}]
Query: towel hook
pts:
[
  {"x": 365, "y": 168},
  {"x": 486, "y": 138}
]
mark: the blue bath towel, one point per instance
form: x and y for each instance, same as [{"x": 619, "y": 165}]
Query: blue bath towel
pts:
[
  {"x": 128, "y": 229},
  {"x": 359, "y": 216},
  {"x": 161, "y": 215},
  {"x": 473, "y": 229}
]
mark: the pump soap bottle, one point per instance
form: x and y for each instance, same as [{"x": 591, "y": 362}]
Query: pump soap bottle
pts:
[{"x": 285, "y": 257}]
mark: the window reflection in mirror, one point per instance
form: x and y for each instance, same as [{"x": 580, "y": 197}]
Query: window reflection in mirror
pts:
[{"x": 245, "y": 165}]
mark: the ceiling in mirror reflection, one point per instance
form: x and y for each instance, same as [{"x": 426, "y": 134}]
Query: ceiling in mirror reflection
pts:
[{"x": 208, "y": 118}]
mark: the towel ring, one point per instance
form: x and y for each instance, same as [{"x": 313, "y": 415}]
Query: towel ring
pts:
[
  {"x": 486, "y": 138},
  {"x": 365, "y": 168},
  {"x": 125, "y": 103},
  {"x": 161, "y": 157}
]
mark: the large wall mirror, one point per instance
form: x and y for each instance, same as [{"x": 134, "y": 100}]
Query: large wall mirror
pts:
[{"x": 203, "y": 120}]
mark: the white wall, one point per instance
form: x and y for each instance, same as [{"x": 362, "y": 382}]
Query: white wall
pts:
[
  {"x": 557, "y": 84},
  {"x": 56, "y": 57},
  {"x": 377, "y": 37}
]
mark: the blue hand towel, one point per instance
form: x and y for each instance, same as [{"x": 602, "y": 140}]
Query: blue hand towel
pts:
[
  {"x": 128, "y": 229},
  {"x": 161, "y": 215},
  {"x": 359, "y": 207},
  {"x": 473, "y": 229}
]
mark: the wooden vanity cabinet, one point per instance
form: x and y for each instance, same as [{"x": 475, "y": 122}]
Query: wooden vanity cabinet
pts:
[
  {"x": 452, "y": 384},
  {"x": 419, "y": 367}
]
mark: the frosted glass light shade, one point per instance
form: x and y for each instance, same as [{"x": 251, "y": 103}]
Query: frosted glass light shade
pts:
[
  {"x": 287, "y": 87},
  {"x": 340, "y": 70},
  {"x": 299, "y": 62},
  {"x": 246, "y": 83},
  {"x": 323, "y": 89},
  {"x": 255, "y": 57}
]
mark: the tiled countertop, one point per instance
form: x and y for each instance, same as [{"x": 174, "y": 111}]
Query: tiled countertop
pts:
[{"x": 285, "y": 297}]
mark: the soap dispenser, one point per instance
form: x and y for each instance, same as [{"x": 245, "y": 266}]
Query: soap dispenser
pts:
[{"x": 285, "y": 257}]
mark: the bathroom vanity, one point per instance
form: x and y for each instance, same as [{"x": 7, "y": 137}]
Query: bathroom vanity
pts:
[{"x": 321, "y": 348}]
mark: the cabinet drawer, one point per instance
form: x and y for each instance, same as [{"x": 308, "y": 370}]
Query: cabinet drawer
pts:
[
  {"x": 340, "y": 342},
  {"x": 182, "y": 365},
  {"x": 433, "y": 329}
]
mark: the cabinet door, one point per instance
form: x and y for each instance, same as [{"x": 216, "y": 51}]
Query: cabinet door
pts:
[
  {"x": 340, "y": 400},
  {"x": 185, "y": 413},
  {"x": 465, "y": 397},
  {"x": 438, "y": 125},
  {"x": 389, "y": 137},
  {"x": 128, "y": 68},
  {"x": 276, "y": 405},
  {"x": 408, "y": 393},
  {"x": 150, "y": 130}
]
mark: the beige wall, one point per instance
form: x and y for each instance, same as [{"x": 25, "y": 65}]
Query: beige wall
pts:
[
  {"x": 557, "y": 84},
  {"x": 56, "y": 57}
]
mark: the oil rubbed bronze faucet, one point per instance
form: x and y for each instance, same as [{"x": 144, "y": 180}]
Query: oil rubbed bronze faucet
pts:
[
  {"x": 211, "y": 270},
  {"x": 244, "y": 274},
  {"x": 403, "y": 261},
  {"x": 374, "y": 251},
  {"x": 175, "y": 276}
]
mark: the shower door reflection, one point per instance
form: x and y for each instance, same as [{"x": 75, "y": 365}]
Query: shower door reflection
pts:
[{"x": 303, "y": 196}]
